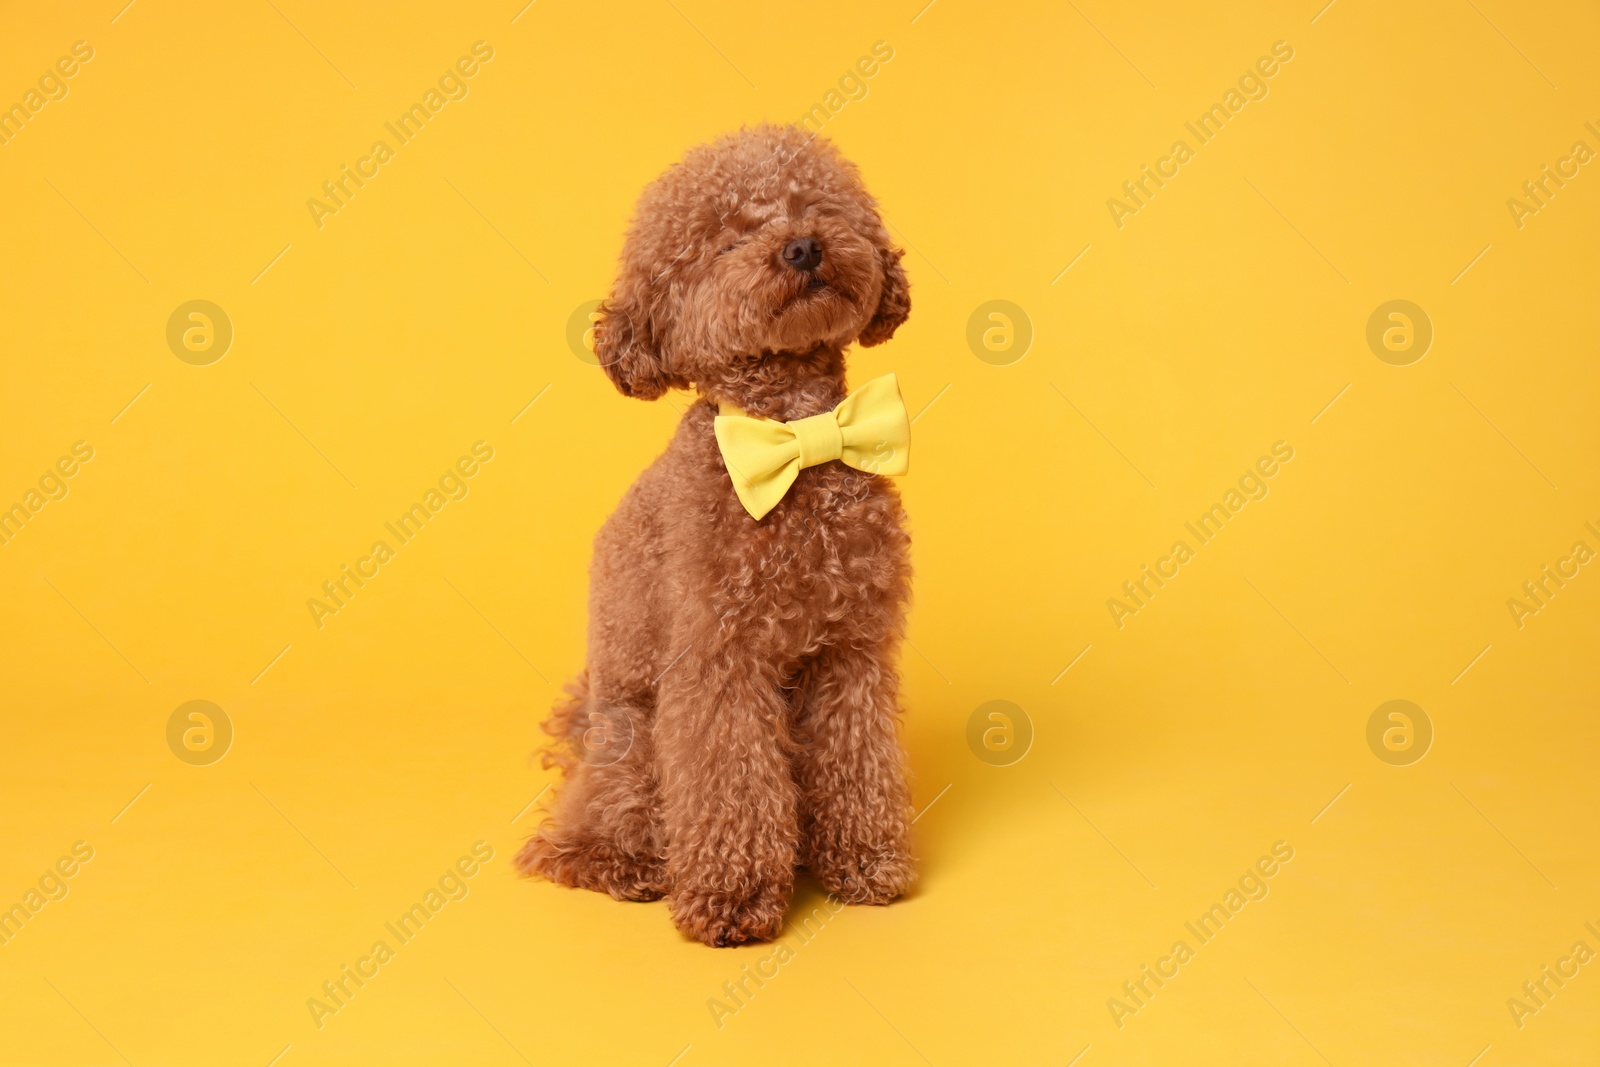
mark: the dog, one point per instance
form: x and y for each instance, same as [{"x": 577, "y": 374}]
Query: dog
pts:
[{"x": 737, "y": 715}]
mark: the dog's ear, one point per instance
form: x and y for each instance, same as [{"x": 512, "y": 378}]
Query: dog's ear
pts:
[
  {"x": 893, "y": 305},
  {"x": 626, "y": 345}
]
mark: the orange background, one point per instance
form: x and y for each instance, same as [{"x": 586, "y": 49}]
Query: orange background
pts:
[{"x": 1167, "y": 355}]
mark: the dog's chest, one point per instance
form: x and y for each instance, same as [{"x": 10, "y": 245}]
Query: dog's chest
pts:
[{"x": 832, "y": 545}]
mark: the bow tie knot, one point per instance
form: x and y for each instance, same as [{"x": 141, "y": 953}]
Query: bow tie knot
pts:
[
  {"x": 869, "y": 431},
  {"x": 819, "y": 437}
]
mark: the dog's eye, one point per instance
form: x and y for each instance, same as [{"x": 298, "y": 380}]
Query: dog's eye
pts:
[{"x": 727, "y": 248}]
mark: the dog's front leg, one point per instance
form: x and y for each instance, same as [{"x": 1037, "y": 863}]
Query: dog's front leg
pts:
[
  {"x": 728, "y": 795},
  {"x": 855, "y": 801}
]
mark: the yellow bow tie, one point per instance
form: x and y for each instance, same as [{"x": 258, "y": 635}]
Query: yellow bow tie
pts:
[{"x": 869, "y": 431}]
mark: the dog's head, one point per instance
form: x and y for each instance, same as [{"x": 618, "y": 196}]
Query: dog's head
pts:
[{"x": 759, "y": 245}]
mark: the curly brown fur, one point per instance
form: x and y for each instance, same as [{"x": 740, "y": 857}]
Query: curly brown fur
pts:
[{"x": 737, "y": 716}]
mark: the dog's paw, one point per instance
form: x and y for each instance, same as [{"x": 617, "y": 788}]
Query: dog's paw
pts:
[
  {"x": 864, "y": 877},
  {"x": 723, "y": 919},
  {"x": 593, "y": 865}
]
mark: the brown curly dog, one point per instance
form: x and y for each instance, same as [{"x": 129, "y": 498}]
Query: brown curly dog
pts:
[{"x": 737, "y": 715}]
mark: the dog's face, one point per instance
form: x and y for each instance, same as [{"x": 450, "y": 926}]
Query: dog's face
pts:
[{"x": 758, "y": 246}]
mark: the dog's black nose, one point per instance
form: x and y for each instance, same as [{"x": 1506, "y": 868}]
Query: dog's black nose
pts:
[{"x": 803, "y": 253}]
